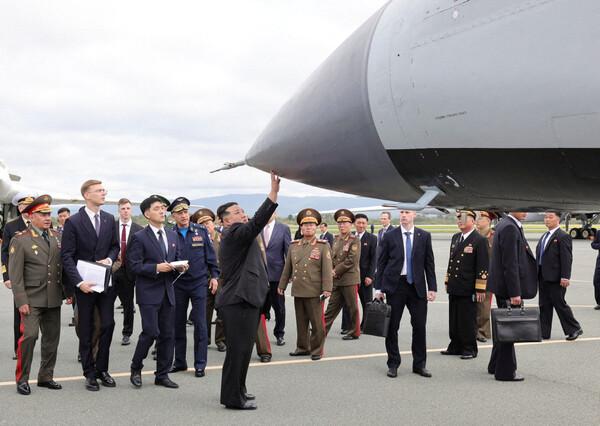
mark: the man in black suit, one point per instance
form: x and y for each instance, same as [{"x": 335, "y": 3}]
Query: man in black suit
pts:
[
  {"x": 91, "y": 235},
  {"x": 18, "y": 224},
  {"x": 406, "y": 276},
  {"x": 325, "y": 234},
  {"x": 512, "y": 277},
  {"x": 554, "y": 258},
  {"x": 367, "y": 264},
  {"x": 386, "y": 225},
  {"x": 243, "y": 292},
  {"x": 124, "y": 278},
  {"x": 150, "y": 254},
  {"x": 276, "y": 238},
  {"x": 596, "y": 246}
]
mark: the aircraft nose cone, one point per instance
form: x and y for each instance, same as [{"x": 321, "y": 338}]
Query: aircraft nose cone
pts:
[{"x": 325, "y": 135}]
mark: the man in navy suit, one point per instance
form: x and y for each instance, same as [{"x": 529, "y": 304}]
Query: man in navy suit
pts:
[
  {"x": 555, "y": 257},
  {"x": 406, "y": 275},
  {"x": 325, "y": 234},
  {"x": 512, "y": 278},
  {"x": 149, "y": 257},
  {"x": 276, "y": 238},
  {"x": 386, "y": 225},
  {"x": 91, "y": 235}
]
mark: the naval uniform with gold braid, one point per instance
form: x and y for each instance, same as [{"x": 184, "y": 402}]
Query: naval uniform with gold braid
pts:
[
  {"x": 35, "y": 270},
  {"x": 309, "y": 269},
  {"x": 466, "y": 275},
  {"x": 345, "y": 255}
]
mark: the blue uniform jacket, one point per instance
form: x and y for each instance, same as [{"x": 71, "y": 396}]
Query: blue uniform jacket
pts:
[{"x": 197, "y": 248}]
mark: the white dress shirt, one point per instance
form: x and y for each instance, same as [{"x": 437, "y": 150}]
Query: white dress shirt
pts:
[
  {"x": 164, "y": 235},
  {"x": 267, "y": 232},
  {"x": 549, "y": 237},
  {"x": 465, "y": 236},
  {"x": 412, "y": 239}
]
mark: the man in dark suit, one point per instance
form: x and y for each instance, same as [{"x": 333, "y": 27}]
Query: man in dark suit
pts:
[
  {"x": 596, "y": 246},
  {"x": 91, "y": 235},
  {"x": 325, "y": 234},
  {"x": 367, "y": 264},
  {"x": 18, "y": 224},
  {"x": 406, "y": 275},
  {"x": 276, "y": 238},
  {"x": 512, "y": 277},
  {"x": 243, "y": 292},
  {"x": 386, "y": 225},
  {"x": 554, "y": 258},
  {"x": 124, "y": 278},
  {"x": 149, "y": 257}
]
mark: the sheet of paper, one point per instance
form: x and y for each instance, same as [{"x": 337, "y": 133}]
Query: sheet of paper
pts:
[
  {"x": 92, "y": 272},
  {"x": 177, "y": 263}
]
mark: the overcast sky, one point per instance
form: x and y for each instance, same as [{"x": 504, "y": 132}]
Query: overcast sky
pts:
[{"x": 149, "y": 96}]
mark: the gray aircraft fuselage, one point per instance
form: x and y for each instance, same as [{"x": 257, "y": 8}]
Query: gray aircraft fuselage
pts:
[{"x": 496, "y": 103}]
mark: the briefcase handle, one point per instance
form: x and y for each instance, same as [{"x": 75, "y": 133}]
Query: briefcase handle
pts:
[{"x": 509, "y": 309}]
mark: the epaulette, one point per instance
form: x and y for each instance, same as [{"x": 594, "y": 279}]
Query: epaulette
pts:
[
  {"x": 352, "y": 237},
  {"x": 198, "y": 225},
  {"x": 298, "y": 241},
  {"x": 21, "y": 233},
  {"x": 322, "y": 241}
]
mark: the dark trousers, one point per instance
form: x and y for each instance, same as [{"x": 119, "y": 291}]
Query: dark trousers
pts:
[
  {"x": 552, "y": 296},
  {"x": 277, "y": 302},
  {"x": 16, "y": 325},
  {"x": 365, "y": 294},
  {"x": 406, "y": 295},
  {"x": 125, "y": 291},
  {"x": 86, "y": 304},
  {"x": 241, "y": 322},
  {"x": 503, "y": 360},
  {"x": 157, "y": 325},
  {"x": 197, "y": 296},
  {"x": 597, "y": 281},
  {"x": 210, "y": 308},
  {"x": 462, "y": 317},
  {"x": 341, "y": 295}
]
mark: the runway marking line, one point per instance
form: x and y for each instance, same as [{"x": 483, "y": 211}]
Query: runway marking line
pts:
[{"x": 327, "y": 359}]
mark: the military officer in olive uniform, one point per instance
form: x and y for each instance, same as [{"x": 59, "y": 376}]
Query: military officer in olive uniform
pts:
[
  {"x": 207, "y": 217},
  {"x": 345, "y": 254},
  {"x": 35, "y": 270},
  {"x": 308, "y": 267},
  {"x": 484, "y": 227},
  {"x": 466, "y": 281}
]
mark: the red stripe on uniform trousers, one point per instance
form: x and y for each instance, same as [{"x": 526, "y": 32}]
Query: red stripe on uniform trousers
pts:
[
  {"x": 323, "y": 321},
  {"x": 357, "y": 326},
  {"x": 263, "y": 324},
  {"x": 19, "y": 370}
]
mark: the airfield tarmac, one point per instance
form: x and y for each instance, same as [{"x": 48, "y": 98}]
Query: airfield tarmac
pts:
[{"x": 348, "y": 386}]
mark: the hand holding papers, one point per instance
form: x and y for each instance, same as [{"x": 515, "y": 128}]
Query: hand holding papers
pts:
[
  {"x": 181, "y": 266},
  {"x": 96, "y": 273}
]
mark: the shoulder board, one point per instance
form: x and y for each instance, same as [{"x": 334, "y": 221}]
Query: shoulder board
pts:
[
  {"x": 199, "y": 225},
  {"x": 322, "y": 241},
  {"x": 352, "y": 237},
  {"x": 21, "y": 234},
  {"x": 296, "y": 241}
]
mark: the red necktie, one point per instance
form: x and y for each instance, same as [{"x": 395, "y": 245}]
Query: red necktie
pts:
[{"x": 123, "y": 243}]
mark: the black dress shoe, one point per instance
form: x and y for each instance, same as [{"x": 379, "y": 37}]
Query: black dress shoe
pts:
[
  {"x": 349, "y": 337},
  {"x": 14, "y": 357},
  {"x": 166, "y": 382},
  {"x": 23, "y": 388},
  {"x": 468, "y": 356},
  {"x": 199, "y": 373},
  {"x": 422, "y": 372},
  {"x": 516, "y": 378},
  {"x": 248, "y": 405},
  {"x": 265, "y": 358},
  {"x": 153, "y": 351},
  {"x": 249, "y": 397},
  {"x": 91, "y": 384},
  {"x": 299, "y": 353},
  {"x": 392, "y": 372},
  {"x": 280, "y": 341},
  {"x": 189, "y": 323},
  {"x": 136, "y": 378},
  {"x": 50, "y": 384},
  {"x": 221, "y": 347},
  {"x": 175, "y": 369},
  {"x": 106, "y": 379},
  {"x": 344, "y": 331},
  {"x": 447, "y": 352},
  {"x": 597, "y": 307},
  {"x": 315, "y": 357},
  {"x": 72, "y": 323},
  {"x": 575, "y": 335},
  {"x": 125, "y": 341},
  {"x": 482, "y": 339}
]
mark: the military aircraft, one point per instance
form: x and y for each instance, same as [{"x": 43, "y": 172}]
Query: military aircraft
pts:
[{"x": 483, "y": 104}]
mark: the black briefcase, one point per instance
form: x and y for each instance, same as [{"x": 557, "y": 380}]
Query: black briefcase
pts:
[
  {"x": 377, "y": 318},
  {"x": 516, "y": 325}
]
